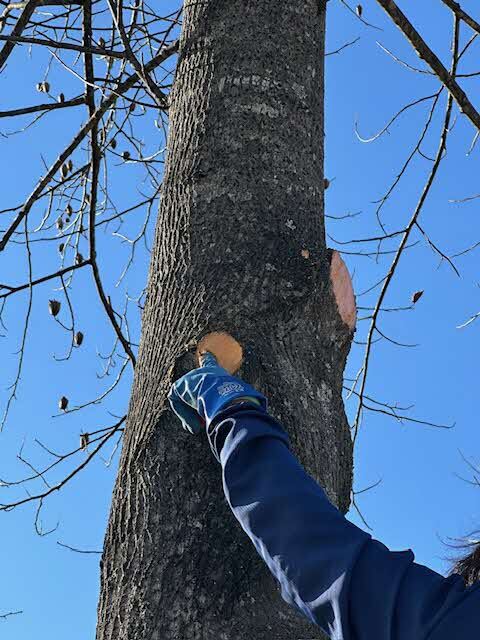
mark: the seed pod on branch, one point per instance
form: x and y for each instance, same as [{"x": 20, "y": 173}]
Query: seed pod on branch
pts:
[
  {"x": 113, "y": 143},
  {"x": 63, "y": 403},
  {"x": 64, "y": 171},
  {"x": 78, "y": 338},
  {"x": 359, "y": 10},
  {"x": 46, "y": 87},
  {"x": 68, "y": 209},
  {"x": 61, "y": 98},
  {"x": 84, "y": 440},
  {"x": 59, "y": 224},
  {"x": 70, "y": 164},
  {"x": 79, "y": 258},
  {"x": 126, "y": 155},
  {"x": 416, "y": 296},
  {"x": 326, "y": 183},
  {"x": 61, "y": 247},
  {"x": 54, "y": 307},
  {"x": 101, "y": 43}
]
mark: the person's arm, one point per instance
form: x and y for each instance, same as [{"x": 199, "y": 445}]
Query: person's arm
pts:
[{"x": 341, "y": 579}]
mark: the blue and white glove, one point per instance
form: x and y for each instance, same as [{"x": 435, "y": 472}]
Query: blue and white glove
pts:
[{"x": 198, "y": 396}]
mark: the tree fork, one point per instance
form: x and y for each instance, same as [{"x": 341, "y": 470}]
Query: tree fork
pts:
[{"x": 239, "y": 247}]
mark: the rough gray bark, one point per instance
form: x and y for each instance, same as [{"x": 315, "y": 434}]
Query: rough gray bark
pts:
[{"x": 242, "y": 198}]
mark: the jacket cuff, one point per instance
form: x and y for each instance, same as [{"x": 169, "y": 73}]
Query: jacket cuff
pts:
[{"x": 224, "y": 422}]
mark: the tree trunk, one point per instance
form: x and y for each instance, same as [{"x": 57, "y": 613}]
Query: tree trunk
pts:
[{"x": 239, "y": 247}]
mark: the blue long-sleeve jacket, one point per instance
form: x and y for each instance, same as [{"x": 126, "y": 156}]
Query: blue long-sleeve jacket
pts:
[{"x": 337, "y": 575}]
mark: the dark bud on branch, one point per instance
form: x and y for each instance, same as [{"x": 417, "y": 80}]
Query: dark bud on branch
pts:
[
  {"x": 359, "y": 10},
  {"x": 326, "y": 183},
  {"x": 113, "y": 143},
  {"x": 78, "y": 258},
  {"x": 84, "y": 440},
  {"x": 61, "y": 247},
  {"x": 416, "y": 296},
  {"x": 64, "y": 170},
  {"x": 54, "y": 307},
  {"x": 78, "y": 338},
  {"x": 59, "y": 224},
  {"x": 126, "y": 155},
  {"x": 43, "y": 87},
  {"x": 61, "y": 98},
  {"x": 63, "y": 403}
]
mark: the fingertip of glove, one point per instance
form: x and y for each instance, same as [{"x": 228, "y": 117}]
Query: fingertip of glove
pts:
[{"x": 207, "y": 359}]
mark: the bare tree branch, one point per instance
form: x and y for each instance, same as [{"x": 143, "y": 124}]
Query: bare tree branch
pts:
[
  {"x": 409, "y": 228},
  {"x": 68, "y": 46},
  {"x": 49, "y": 106},
  {"x": 23, "y": 20},
  {"x": 95, "y": 164},
  {"x": 424, "y": 51},
  {"x": 463, "y": 15},
  {"x": 51, "y": 276},
  {"x": 4, "y": 616},
  {"x": 86, "y": 551},
  {"x": 59, "y": 485},
  {"x": 84, "y": 131}
]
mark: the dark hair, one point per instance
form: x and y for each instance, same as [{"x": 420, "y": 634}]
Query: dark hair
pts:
[{"x": 468, "y": 566}]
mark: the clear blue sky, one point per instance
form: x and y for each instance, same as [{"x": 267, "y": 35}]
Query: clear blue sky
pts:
[{"x": 420, "y": 499}]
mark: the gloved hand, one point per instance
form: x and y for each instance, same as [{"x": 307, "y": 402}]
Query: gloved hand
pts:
[{"x": 198, "y": 396}]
